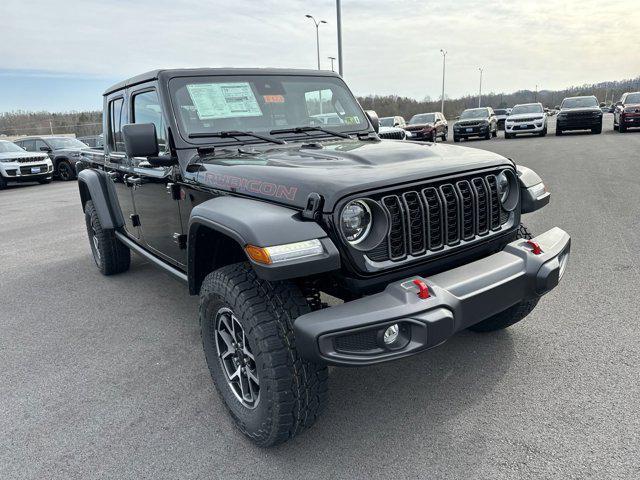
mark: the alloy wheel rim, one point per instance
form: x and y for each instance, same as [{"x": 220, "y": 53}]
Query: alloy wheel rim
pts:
[
  {"x": 63, "y": 171},
  {"x": 95, "y": 244},
  {"x": 237, "y": 360}
]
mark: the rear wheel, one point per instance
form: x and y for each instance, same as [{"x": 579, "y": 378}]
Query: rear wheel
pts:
[
  {"x": 65, "y": 171},
  {"x": 512, "y": 314},
  {"x": 246, "y": 325},
  {"x": 110, "y": 255}
]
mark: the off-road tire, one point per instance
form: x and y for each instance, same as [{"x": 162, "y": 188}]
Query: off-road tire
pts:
[
  {"x": 110, "y": 255},
  {"x": 488, "y": 134},
  {"x": 558, "y": 132},
  {"x": 622, "y": 128},
  {"x": 44, "y": 182},
  {"x": 543, "y": 133},
  {"x": 444, "y": 134},
  {"x": 597, "y": 130},
  {"x": 495, "y": 133},
  {"x": 293, "y": 391},
  {"x": 508, "y": 136},
  {"x": 65, "y": 171},
  {"x": 512, "y": 314},
  {"x": 456, "y": 139},
  {"x": 3, "y": 182},
  {"x": 434, "y": 136}
]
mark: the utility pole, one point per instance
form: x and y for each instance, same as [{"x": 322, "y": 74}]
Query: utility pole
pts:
[
  {"x": 317, "y": 24},
  {"x": 332, "y": 60},
  {"x": 536, "y": 96},
  {"x": 480, "y": 90},
  {"x": 51, "y": 127},
  {"x": 339, "y": 21},
  {"x": 444, "y": 62}
]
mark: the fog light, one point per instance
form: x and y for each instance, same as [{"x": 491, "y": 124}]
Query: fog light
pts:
[{"x": 391, "y": 334}]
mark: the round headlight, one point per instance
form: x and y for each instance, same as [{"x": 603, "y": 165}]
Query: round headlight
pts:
[
  {"x": 504, "y": 186},
  {"x": 355, "y": 221}
]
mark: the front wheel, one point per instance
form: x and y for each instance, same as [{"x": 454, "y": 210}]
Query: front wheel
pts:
[
  {"x": 65, "y": 171},
  {"x": 558, "y": 132},
  {"x": 3, "y": 182},
  {"x": 45, "y": 181},
  {"x": 246, "y": 325},
  {"x": 495, "y": 133},
  {"x": 456, "y": 138},
  {"x": 543, "y": 133},
  {"x": 444, "y": 135},
  {"x": 512, "y": 314},
  {"x": 622, "y": 128},
  {"x": 434, "y": 136},
  {"x": 597, "y": 130}
]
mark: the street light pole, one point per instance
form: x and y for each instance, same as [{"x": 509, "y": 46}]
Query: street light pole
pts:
[
  {"x": 317, "y": 24},
  {"x": 339, "y": 22},
  {"x": 444, "y": 62},
  {"x": 480, "y": 91},
  {"x": 332, "y": 60}
]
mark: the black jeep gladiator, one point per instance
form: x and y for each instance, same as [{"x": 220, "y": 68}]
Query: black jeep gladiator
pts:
[{"x": 224, "y": 179}]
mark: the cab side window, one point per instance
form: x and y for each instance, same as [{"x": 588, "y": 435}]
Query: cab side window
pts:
[
  {"x": 147, "y": 109},
  {"x": 117, "y": 118}
]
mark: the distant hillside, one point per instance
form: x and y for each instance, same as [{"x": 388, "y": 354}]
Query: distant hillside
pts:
[
  {"x": 44, "y": 123},
  {"x": 90, "y": 123},
  {"x": 394, "y": 105}
]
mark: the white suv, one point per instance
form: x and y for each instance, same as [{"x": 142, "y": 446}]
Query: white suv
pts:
[
  {"x": 18, "y": 165},
  {"x": 526, "y": 118}
]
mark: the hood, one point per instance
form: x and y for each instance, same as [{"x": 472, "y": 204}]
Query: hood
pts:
[
  {"x": 472, "y": 120},
  {"x": 418, "y": 126},
  {"x": 581, "y": 109},
  {"x": 518, "y": 116},
  {"x": 632, "y": 105},
  {"x": 390, "y": 129},
  {"x": 37, "y": 157},
  {"x": 334, "y": 169}
]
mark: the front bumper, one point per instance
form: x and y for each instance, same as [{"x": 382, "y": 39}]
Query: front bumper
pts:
[
  {"x": 578, "y": 123},
  {"x": 532, "y": 127},
  {"x": 350, "y": 334},
  {"x": 477, "y": 131}
]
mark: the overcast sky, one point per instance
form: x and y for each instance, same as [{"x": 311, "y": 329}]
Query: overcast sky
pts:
[{"x": 60, "y": 55}]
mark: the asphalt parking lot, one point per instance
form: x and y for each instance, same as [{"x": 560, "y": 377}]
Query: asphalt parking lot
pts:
[{"x": 105, "y": 377}]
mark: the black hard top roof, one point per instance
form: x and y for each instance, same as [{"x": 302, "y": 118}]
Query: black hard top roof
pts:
[{"x": 194, "y": 72}]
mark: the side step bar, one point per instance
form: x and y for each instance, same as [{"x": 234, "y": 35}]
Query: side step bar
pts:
[{"x": 151, "y": 257}]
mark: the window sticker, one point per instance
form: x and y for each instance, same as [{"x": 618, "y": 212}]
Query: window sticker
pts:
[
  {"x": 224, "y": 100},
  {"x": 351, "y": 120}
]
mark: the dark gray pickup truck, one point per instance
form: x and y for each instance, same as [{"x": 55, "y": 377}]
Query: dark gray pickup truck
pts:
[{"x": 229, "y": 180}]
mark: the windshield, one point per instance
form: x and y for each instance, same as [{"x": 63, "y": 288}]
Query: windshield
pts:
[
  {"x": 60, "y": 143},
  {"x": 475, "y": 113},
  {"x": 422, "y": 118},
  {"x": 8, "y": 147},
  {"x": 386, "y": 122},
  {"x": 519, "y": 109},
  {"x": 579, "y": 102},
  {"x": 263, "y": 103},
  {"x": 632, "y": 98}
]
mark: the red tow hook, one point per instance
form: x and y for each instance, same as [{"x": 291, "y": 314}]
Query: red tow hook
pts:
[
  {"x": 535, "y": 248},
  {"x": 424, "y": 290}
]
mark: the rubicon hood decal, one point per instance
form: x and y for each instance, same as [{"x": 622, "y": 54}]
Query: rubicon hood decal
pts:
[{"x": 250, "y": 185}]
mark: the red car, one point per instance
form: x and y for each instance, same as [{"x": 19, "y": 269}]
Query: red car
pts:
[
  {"x": 428, "y": 126},
  {"x": 627, "y": 112}
]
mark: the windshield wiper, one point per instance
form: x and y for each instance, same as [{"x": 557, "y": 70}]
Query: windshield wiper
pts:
[
  {"x": 235, "y": 134},
  {"x": 310, "y": 129}
]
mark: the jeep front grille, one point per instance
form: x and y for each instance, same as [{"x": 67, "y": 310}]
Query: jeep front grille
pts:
[{"x": 428, "y": 218}]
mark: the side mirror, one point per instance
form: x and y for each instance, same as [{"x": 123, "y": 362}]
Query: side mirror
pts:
[
  {"x": 45, "y": 149},
  {"x": 557, "y": 107},
  {"x": 140, "y": 140},
  {"x": 618, "y": 103},
  {"x": 373, "y": 118}
]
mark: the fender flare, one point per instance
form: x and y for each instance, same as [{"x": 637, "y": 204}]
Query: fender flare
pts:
[
  {"x": 253, "y": 222},
  {"x": 96, "y": 186},
  {"x": 532, "y": 190}
]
